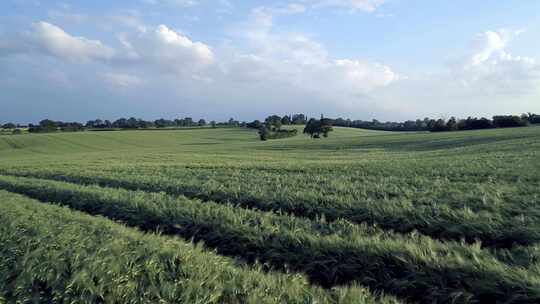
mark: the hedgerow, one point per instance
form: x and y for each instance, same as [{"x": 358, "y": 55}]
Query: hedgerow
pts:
[{"x": 414, "y": 267}]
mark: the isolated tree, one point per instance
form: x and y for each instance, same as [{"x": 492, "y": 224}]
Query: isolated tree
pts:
[
  {"x": 202, "y": 122},
  {"x": 273, "y": 122},
  {"x": 263, "y": 133},
  {"x": 326, "y": 126},
  {"x": 316, "y": 127},
  {"x": 310, "y": 127}
]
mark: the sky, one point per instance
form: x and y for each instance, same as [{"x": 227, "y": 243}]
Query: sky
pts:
[{"x": 359, "y": 59}]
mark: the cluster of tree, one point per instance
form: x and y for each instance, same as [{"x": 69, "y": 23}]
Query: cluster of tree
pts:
[
  {"x": 316, "y": 127},
  {"x": 48, "y": 125},
  {"x": 275, "y": 122},
  {"x": 9, "y": 125},
  {"x": 12, "y": 128},
  {"x": 134, "y": 123},
  {"x": 271, "y": 127},
  {"x": 533, "y": 118},
  {"x": 440, "y": 125},
  {"x": 473, "y": 123},
  {"x": 409, "y": 125},
  {"x": 265, "y": 133}
]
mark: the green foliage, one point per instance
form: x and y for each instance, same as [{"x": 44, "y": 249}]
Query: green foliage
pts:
[
  {"x": 354, "y": 253},
  {"x": 315, "y": 127},
  {"x": 273, "y": 122},
  {"x": 53, "y": 255},
  {"x": 509, "y": 121},
  {"x": 385, "y": 210},
  {"x": 494, "y": 226},
  {"x": 265, "y": 133},
  {"x": 9, "y": 125}
]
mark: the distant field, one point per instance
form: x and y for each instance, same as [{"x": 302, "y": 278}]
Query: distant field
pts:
[{"x": 414, "y": 217}]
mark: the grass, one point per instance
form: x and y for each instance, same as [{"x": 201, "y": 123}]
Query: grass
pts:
[
  {"x": 330, "y": 254},
  {"x": 51, "y": 254},
  {"x": 357, "y": 193}
]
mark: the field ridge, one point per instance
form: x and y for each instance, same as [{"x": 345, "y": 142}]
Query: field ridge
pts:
[
  {"x": 446, "y": 276},
  {"x": 437, "y": 221}
]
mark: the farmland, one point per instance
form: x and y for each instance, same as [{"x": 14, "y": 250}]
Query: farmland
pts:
[{"x": 215, "y": 215}]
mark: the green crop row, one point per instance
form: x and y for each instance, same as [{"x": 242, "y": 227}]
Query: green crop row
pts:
[
  {"x": 500, "y": 226},
  {"x": 413, "y": 267},
  {"x": 51, "y": 254}
]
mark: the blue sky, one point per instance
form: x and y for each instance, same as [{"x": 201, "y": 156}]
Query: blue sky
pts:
[{"x": 364, "y": 59}]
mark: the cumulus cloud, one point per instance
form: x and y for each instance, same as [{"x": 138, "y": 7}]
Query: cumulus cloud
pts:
[
  {"x": 49, "y": 39},
  {"x": 167, "y": 50},
  {"x": 492, "y": 69},
  {"x": 299, "y": 60},
  {"x": 488, "y": 79},
  {"x": 490, "y": 45},
  {"x": 263, "y": 69}
]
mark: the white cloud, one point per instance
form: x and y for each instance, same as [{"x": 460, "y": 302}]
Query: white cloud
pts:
[
  {"x": 49, "y": 39},
  {"x": 55, "y": 41},
  {"x": 491, "y": 44},
  {"x": 167, "y": 50},
  {"x": 492, "y": 69},
  {"x": 293, "y": 71},
  {"x": 302, "y": 61},
  {"x": 365, "y": 75},
  {"x": 489, "y": 80}
]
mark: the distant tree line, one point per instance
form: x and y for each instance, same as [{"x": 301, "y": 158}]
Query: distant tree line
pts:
[
  {"x": 134, "y": 123},
  {"x": 271, "y": 127},
  {"x": 473, "y": 123},
  {"x": 48, "y": 125},
  {"x": 443, "y": 125}
]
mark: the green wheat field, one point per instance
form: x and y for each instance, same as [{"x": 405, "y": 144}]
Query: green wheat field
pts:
[{"x": 218, "y": 216}]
